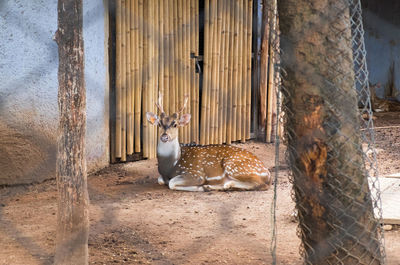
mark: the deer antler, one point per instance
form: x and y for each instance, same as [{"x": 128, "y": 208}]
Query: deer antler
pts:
[
  {"x": 184, "y": 104},
  {"x": 159, "y": 103}
]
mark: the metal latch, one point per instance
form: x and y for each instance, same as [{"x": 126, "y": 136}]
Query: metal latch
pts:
[{"x": 197, "y": 60}]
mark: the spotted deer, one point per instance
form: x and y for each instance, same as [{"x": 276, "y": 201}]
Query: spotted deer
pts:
[{"x": 203, "y": 168}]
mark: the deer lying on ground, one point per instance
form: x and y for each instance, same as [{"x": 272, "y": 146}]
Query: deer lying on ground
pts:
[{"x": 203, "y": 168}]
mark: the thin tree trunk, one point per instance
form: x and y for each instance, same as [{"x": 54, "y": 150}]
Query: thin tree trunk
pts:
[
  {"x": 72, "y": 214},
  {"x": 263, "y": 89},
  {"x": 330, "y": 182}
]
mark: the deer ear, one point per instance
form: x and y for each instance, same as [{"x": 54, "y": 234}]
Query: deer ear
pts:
[
  {"x": 185, "y": 118},
  {"x": 152, "y": 118}
]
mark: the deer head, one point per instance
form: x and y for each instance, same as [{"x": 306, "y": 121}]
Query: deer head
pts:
[{"x": 168, "y": 124}]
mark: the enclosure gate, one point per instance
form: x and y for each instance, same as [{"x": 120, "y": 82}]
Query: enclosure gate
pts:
[{"x": 158, "y": 50}]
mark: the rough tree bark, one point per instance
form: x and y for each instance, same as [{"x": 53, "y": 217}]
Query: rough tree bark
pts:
[
  {"x": 72, "y": 214},
  {"x": 331, "y": 190}
]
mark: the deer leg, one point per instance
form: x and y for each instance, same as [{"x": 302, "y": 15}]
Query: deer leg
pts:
[
  {"x": 161, "y": 180},
  {"x": 239, "y": 185},
  {"x": 186, "y": 183}
]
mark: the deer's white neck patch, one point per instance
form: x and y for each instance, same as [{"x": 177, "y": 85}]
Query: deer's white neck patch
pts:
[{"x": 169, "y": 149}]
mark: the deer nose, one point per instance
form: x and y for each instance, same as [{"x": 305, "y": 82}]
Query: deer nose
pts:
[{"x": 164, "y": 137}]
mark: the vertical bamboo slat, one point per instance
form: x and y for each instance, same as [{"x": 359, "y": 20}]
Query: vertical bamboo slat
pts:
[
  {"x": 244, "y": 72},
  {"x": 145, "y": 73},
  {"x": 133, "y": 48},
  {"x": 155, "y": 63},
  {"x": 235, "y": 70},
  {"x": 230, "y": 74},
  {"x": 176, "y": 57},
  {"x": 167, "y": 49},
  {"x": 226, "y": 70},
  {"x": 271, "y": 84},
  {"x": 210, "y": 75},
  {"x": 239, "y": 108},
  {"x": 263, "y": 89},
  {"x": 129, "y": 133},
  {"x": 172, "y": 74},
  {"x": 179, "y": 60},
  {"x": 249, "y": 37},
  {"x": 192, "y": 71},
  {"x": 197, "y": 89},
  {"x": 118, "y": 80},
  {"x": 123, "y": 83},
  {"x": 139, "y": 95},
  {"x": 214, "y": 71},
  {"x": 204, "y": 136},
  {"x": 161, "y": 50},
  {"x": 138, "y": 98},
  {"x": 186, "y": 58},
  {"x": 221, "y": 70},
  {"x": 149, "y": 65}
]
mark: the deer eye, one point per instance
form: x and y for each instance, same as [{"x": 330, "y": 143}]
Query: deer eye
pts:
[{"x": 175, "y": 125}]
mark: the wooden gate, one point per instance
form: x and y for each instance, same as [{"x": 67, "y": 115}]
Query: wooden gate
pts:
[{"x": 155, "y": 44}]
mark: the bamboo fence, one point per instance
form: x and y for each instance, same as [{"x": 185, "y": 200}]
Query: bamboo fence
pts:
[
  {"x": 155, "y": 41},
  {"x": 226, "y": 97}
]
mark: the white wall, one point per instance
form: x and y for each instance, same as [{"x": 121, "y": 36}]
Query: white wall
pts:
[{"x": 28, "y": 89}]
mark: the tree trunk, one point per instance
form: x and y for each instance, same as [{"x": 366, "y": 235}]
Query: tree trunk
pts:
[
  {"x": 72, "y": 214},
  {"x": 263, "y": 89},
  {"x": 324, "y": 144}
]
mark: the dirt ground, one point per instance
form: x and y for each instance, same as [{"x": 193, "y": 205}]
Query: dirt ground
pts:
[{"x": 136, "y": 221}]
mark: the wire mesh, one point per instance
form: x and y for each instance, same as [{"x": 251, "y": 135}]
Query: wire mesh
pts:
[{"x": 321, "y": 82}]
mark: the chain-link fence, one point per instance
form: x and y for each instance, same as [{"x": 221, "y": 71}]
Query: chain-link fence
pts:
[{"x": 330, "y": 141}]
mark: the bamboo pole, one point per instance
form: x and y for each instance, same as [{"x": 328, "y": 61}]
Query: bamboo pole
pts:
[
  {"x": 137, "y": 75},
  {"x": 210, "y": 69},
  {"x": 226, "y": 56},
  {"x": 181, "y": 61},
  {"x": 118, "y": 80},
  {"x": 161, "y": 72},
  {"x": 214, "y": 70},
  {"x": 123, "y": 84},
  {"x": 133, "y": 47},
  {"x": 150, "y": 80},
  {"x": 139, "y": 130},
  {"x": 235, "y": 71},
  {"x": 197, "y": 84},
  {"x": 263, "y": 89},
  {"x": 249, "y": 89},
  {"x": 244, "y": 70},
  {"x": 221, "y": 33},
  {"x": 271, "y": 82},
  {"x": 146, "y": 68},
  {"x": 230, "y": 74},
  {"x": 179, "y": 31},
  {"x": 129, "y": 149},
  {"x": 166, "y": 55},
  {"x": 172, "y": 86},
  {"x": 204, "y": 136},
  {"x": 186, "y": 58},
  {"x": 155, "y": 62},
  {"x": 176, "y": 57},
  {"x": 192, "y": 71},
  {"x": 239, "y": 108}
]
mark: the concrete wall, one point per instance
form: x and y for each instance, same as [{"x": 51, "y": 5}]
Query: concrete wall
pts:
[
  {"x": 382, "y": 41},
  {"x": 28, "y": 89}
]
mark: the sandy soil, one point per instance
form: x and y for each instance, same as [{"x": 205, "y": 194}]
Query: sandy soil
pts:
[{"x": 136, "y": 221}]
